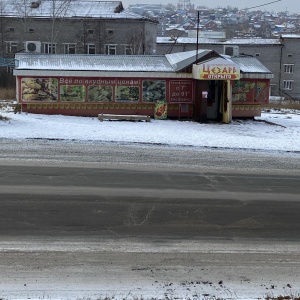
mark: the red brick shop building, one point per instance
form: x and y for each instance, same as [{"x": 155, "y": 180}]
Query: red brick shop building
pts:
[{"x": 198, "y": 86}]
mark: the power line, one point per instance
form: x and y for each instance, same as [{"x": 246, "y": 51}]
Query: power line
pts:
[{"x": 261, "y": 5}]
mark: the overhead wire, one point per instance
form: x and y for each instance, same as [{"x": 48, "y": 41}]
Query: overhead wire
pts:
[{"x": 261, "y": 5}]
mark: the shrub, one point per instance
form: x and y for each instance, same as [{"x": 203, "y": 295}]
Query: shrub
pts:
[
  {"x": 2, "y": 118},
  {"x": 7, "y": 93},
  {"x": 284, "y": 104}
]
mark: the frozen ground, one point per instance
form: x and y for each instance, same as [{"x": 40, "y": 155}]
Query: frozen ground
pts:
[
  {"x": 80, "y": 268},
  {"x": 279, "y": 131},
  {"x": 163, "y": 270}
]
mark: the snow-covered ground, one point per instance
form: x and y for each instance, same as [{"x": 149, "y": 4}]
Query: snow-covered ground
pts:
[
  {"x": 128, "y": 269},
  {"x": 273, "y": 131}
]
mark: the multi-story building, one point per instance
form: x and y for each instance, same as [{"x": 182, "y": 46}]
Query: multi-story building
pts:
[
  {"x": 279, "y": 55},
  {"x": 74, "y": 27},
  {"x": 289, "y": 65}
]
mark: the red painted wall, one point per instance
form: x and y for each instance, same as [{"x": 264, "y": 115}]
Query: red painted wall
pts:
[
  {"x": 250, "y": 91},
  {"x": 90, "y": 96}
]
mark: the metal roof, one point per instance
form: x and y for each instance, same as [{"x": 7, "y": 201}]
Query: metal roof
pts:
[
  {"x": 120, "y": 63},
  {"x": 67, "y": 9},
  {"x": 290, "y": 36},
  {"x": 84, "y": 62},
  {"x": 251, "y": 67},
  {"x": 187, "y": 40},
  {"x": 181, "y": 60},
  {"x": 169, "y": 63},
  {"x": 253, "y": 41}
]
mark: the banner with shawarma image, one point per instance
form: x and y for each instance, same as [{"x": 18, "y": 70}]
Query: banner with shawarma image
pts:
[
  {"x": 161, "y": 110},
  {"x": 39, "y": 89}
]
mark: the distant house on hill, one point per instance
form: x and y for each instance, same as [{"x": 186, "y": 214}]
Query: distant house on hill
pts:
[
  {"x": 141, "y": 9},
  {"x": 212, "y": 25},
  {"x": 176, "y": 32}
]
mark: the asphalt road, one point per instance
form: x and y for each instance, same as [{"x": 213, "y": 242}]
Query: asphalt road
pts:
[
  {"x": 89, "y": 220},
  {"x": 132, "y": 203},
  {"x": 130, "y": 190}
]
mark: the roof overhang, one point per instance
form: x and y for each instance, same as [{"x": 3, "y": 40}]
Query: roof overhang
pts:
[
  {"x": 74, "y": 73},
  {"x": 257, "y": 75}
]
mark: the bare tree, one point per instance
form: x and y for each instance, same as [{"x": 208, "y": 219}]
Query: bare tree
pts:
[
  {"x": 23, "y": 11},
  {"x": 140, "y": 43},
  {"x": 82, "y": 34},
  {"x": 59, "y": 10},
  {"x": 102, "y": 34},
  {"x": 55, "y": 11},
  {"x": 93, "y": 32},
  {"x": 2, "y": 27}
]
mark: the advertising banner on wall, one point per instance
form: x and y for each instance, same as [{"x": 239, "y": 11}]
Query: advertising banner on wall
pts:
[
  {"x": 77, "y": 89},
  {"x": 160, "y": 110},
  {"x": 217, "y": 69},
  {"x": 255, "y": 90}
]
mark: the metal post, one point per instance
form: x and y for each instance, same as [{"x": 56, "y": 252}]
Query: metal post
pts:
[{"x": 198, "y": 21}]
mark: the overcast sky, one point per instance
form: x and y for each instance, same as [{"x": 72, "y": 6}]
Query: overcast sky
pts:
[{"x": 277, "y": 5}]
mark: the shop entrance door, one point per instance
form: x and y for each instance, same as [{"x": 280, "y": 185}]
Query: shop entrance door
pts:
[{"x": 214, "y": 99}]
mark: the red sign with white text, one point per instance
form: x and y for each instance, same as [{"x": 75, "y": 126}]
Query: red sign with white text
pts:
[{"x": 181, "y": 91}]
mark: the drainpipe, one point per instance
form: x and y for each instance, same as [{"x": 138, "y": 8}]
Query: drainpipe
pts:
[
  {"x": 144, "y": 39},
  {"x": 280, "y": 70}
]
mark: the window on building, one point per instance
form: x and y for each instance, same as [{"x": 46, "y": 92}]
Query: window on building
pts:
[
  {"x": 49, "y": 48},
  {"x": 128, "y": 50},
  {"x": 289, "y": 68},
  {"x": 30, "y": 30},
  {"x": 11, "y": 47},
  {"x": 11, "y": 29},
  {"x": 257, "y": 54},
  {"x": 110, "y": 31},
  {"x": 90, "y": 31},
  {"x": 111, "y": 49},
  {"x": 287, "y": 84},
  {"x": 290, "y": 55},
  {"x": 91, "y": 49},
  {"x": 70, "y": 49}
]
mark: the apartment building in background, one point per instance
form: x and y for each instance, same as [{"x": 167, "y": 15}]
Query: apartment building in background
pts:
[{"x": 74, "y": 27}]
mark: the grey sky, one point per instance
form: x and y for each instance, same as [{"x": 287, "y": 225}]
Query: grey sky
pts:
[{"x": 292, "y": 6}]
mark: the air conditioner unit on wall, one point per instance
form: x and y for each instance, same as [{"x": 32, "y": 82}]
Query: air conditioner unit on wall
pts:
[
  {"x": 33, "y": 46},
  {"x": 231, "y": 50}
]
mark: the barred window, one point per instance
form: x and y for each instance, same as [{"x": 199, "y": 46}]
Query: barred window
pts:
[
  {"x": 91, "y": 49},
  {"x": 70, "y": 48},
  {"x": 110, "y": 49},
  {"x": 128, "y": 50},
  {"x": 287, "y": 84},
  {"x": 50, "y": 48},
  {"x": 11, "y": 47},
  {"x": 288, "y": 68}
]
